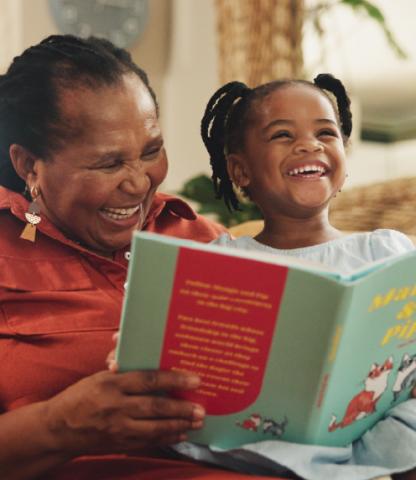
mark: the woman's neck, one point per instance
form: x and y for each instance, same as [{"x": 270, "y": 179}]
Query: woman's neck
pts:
[{"x": 288, "y": 233}]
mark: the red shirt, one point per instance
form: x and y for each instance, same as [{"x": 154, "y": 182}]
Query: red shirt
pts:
[{"x": 59, "y": 305}]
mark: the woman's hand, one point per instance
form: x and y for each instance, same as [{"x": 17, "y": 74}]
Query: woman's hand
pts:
[
  {"x": 110, "y": 412},
  {"x": 106, "y": 412}
]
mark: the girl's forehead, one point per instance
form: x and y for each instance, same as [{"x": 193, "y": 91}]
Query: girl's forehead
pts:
[{"x": 291, "y": 101}]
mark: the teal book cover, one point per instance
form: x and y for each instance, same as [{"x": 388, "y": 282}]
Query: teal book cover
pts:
[{"x": 285, "y": 349}]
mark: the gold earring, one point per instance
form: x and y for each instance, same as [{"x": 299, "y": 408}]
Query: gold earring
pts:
[{"x": 32, "y": 217}]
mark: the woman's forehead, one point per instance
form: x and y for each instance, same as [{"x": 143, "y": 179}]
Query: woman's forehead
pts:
[
  {"x": 85, "y": 101},
  {"x": 109, "y": 114}
]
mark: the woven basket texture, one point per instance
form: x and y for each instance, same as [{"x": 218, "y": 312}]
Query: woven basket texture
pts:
[{"x": 388, "y": 204}]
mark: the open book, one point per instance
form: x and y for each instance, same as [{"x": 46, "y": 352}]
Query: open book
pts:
[{"x": 286, "y": 349}]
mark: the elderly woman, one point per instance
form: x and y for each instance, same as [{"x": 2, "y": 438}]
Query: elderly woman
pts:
[{"x": 81, "y": 159}]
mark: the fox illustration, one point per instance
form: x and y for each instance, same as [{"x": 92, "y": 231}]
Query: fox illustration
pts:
[
  {"x": 364, "y": 403},
  {"x": 251, "y": 423},
  {"x": 406, "y": 375}
]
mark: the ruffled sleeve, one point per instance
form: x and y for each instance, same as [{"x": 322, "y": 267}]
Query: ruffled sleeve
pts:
[{"x": 385, "y": 243}]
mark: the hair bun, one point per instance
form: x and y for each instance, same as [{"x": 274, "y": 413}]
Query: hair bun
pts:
[{"x": 328, "y": 82}]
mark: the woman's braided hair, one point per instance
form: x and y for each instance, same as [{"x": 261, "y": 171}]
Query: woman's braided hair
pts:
[
  {"x": 229, "y": 112},
  {"x": 30, "y": 92}
]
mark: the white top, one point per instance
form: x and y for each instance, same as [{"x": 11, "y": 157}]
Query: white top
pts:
[{"x": 345, "y": 254}]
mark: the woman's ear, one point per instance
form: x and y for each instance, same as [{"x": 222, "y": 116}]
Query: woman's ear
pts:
[
  {"x": 237, "y": 171},
  {"x": 23, "y": 162}
]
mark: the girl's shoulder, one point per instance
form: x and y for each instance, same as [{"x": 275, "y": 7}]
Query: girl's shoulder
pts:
[
  {"x": 245, "y": 242},
  {"x": 385, "y": 242}
]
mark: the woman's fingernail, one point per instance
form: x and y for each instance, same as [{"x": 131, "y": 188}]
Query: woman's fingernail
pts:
[
  {"x": 112, "y": 366},
  {"x": 192, "y": 381},
  {"x": 198, "y": 412},
  {"x": 197, "y": 425}
]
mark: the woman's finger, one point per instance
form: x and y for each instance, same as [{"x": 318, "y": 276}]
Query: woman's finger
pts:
[
  {"x": 148, "y": 407},
  {"x": 150, "y": 381}
]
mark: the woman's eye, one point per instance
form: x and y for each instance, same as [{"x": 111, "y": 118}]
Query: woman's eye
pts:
[
  {"x": 152, "y": 152},
  {"x": 111, "y": 166}
]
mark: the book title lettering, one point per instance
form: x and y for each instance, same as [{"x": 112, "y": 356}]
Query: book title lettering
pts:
[{"x": 406, "y": 329}]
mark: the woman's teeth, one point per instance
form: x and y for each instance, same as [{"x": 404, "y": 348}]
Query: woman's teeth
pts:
[
  {"x": 308, "y": 169},
  {"x": 121, "y": 213}
]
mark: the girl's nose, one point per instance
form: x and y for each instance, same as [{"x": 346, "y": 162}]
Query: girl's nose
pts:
[{"x": 308, "y": 146}]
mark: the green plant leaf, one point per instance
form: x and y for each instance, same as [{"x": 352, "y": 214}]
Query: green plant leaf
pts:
[
  {"x": 376, "y": 14},
  {"x": 199, "y": 189}
]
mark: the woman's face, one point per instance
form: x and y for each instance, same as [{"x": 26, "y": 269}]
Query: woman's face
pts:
[
  {"x": 98, "y": 187},
  {"x": 294, "y": 156}
]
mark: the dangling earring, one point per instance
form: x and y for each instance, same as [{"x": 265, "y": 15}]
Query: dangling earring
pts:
[{"x": 32, "y": 217}]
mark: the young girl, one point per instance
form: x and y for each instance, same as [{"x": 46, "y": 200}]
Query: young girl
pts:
[{"x": 283, "y": 145}]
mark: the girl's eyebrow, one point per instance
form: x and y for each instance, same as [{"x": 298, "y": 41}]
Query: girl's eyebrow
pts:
[
  {"x": 326, "y": 120},
  {"x": 284, "y": 121},
  {"x": 278, "y": 121}
]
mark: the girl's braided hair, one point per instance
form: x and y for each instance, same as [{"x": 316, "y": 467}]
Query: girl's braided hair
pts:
[
  {"x": 229, "y": 112},
  {"x": 30, "y": 93}
]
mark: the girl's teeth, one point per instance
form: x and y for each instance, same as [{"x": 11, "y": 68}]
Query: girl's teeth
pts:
[{"x": 307, "y": 169}]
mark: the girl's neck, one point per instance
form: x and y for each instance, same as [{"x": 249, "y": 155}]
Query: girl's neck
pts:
[{"x": 288, "y": 233}]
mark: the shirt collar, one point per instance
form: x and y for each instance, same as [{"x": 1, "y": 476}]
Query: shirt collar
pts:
[{"x": 175, "y": 205}]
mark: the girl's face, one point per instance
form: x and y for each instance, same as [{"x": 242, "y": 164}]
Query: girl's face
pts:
[{"x": 293, "y": 160}]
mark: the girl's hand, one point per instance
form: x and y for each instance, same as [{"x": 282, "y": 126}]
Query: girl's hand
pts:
[{"x": 109, "y": 413}]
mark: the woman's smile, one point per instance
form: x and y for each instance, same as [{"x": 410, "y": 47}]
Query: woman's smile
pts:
[{"x": 121, "y": 213}]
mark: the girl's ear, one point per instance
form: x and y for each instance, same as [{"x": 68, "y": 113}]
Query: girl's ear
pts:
[
  {"x": 237, "y": 171},
  {"x": 24, "y": 163}
]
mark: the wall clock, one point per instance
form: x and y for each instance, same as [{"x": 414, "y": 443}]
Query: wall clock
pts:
[{"x": 121, "y": 21}]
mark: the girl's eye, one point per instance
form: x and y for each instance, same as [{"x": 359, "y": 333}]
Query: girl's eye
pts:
[
  {"x": 281, "y": 134},
  {"x": 328, "y": 132}
]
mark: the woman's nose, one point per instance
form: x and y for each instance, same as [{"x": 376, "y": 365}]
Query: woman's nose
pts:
[
  {"x": 137, "y": 181},
  {"x": 308, "y": 146}
]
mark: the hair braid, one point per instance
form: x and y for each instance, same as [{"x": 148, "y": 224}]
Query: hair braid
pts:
[
  {"x": 214, "y": 130},
  {"x": 326, "y": 81}
]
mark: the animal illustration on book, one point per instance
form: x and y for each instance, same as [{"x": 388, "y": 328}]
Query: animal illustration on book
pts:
[
  {"x": 406, "y": 375},
  {"x": 364, "y": 403},
  {"x": 277, "y": 429},
  {"x": 268, "y": 425},
  {"x": 251, "y": 423}
]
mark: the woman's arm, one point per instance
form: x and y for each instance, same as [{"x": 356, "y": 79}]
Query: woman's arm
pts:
[{"x": 103, "y": 413}]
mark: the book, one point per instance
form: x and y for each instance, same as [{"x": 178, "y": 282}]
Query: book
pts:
[{"x": 286, "y": 349}]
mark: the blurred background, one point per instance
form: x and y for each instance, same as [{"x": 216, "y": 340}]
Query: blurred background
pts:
[{"x": 190, "y": 47}]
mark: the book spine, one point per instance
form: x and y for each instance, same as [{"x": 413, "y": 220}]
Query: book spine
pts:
[{"x": 329, "y": 361}]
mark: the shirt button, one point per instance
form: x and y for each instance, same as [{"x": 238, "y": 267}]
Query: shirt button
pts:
[{"x": 127, "y": 256}]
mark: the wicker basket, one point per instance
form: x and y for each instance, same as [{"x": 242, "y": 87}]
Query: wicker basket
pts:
[{"x": 388, "y": 204}]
